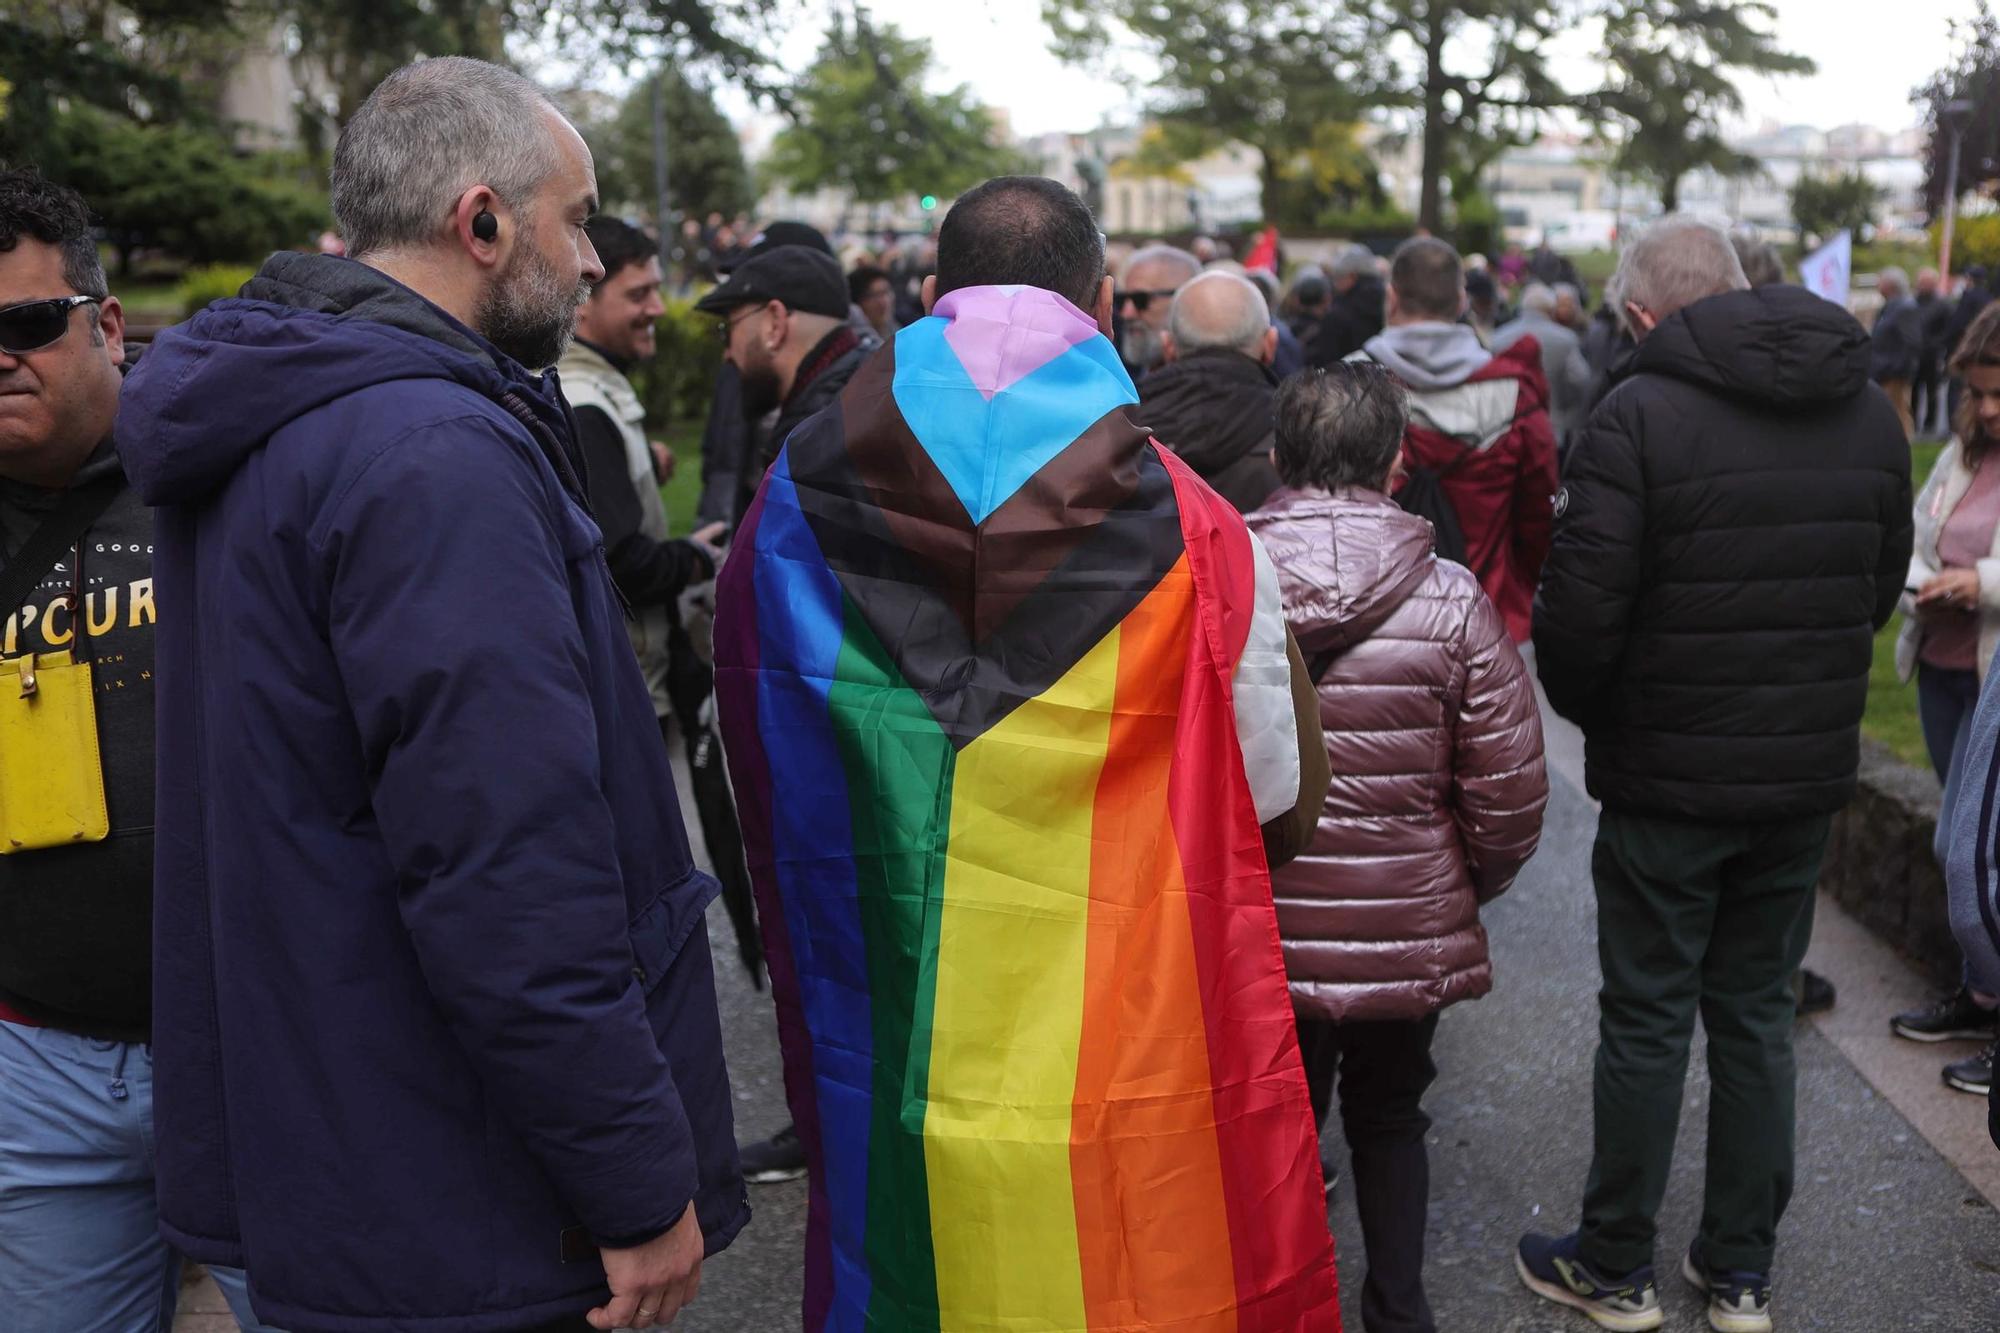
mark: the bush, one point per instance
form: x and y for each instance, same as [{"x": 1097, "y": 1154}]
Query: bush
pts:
[
  {"x": 181, "y": 189},
  {"x": 218, "y": 282},
  {"x": 1974, "y": 240},
  {"x": 1476, "y": 228},
  {"x": 679, "y": 383},
  {"x": 1359, "y": 223}
]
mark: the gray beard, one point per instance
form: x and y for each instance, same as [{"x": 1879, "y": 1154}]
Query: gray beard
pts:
[
  {"x": 1140, "y": 344},
  {"x": 528, "y": 312}
]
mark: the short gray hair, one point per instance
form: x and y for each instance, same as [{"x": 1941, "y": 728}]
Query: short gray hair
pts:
[
  {"x": 1158, "y": 254},
  {"x": 1761, "y": 265},
  {"x": 1893, "y": 276},
  {"x": 1352, "y": 262},
  {"x": 427, "y": 134},
  {"x": 1219, "y": 309},
  {"x": 1672, "y": 264},
  {"x": 1340, "y": 426},
  {"x": 1538, "y": 297}
]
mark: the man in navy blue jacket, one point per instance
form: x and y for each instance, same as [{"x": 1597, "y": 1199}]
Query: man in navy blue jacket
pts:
[{"x": 435, "y": 1023}]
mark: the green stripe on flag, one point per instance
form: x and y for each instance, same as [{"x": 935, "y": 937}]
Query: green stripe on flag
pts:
[{"x": 899, "y": 780}]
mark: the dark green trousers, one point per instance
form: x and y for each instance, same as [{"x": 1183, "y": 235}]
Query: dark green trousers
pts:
[{"x": 1710, "y": 919}]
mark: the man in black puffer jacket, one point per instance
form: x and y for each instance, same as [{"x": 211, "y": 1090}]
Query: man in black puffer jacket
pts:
[{"x": 1734, "y": 527}]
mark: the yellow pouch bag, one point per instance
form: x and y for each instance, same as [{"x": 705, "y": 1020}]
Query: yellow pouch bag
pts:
[{"x": 51, "y": 772}]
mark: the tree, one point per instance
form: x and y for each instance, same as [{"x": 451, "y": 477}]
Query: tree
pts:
[
  {"x": 706, "y": 172},
  {"x": 180, "y": 189},
  {"x": 1823, "y": 205},
  {"x": 358, "y": 42},
  {"x": 1672, "y": 85},
  {"x": 1268, "y": 72},
  {"x": 1265, "y": 75},
  {"x": 865, "y": 124},
  {"x": 1476, "y": 74},
  {"x": 156, "y": 61},
  {"x": 1973, "y": 76}
]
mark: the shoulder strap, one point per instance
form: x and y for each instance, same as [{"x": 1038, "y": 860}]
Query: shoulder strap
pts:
[{"x": 66, "y": 523}]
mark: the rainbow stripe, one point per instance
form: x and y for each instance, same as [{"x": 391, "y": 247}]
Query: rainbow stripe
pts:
[{"x": 977, "y": 708}]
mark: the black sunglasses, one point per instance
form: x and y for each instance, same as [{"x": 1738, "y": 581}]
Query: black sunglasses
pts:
[
  {"x": 1142, "y": 298},
  {"x": 33, "y": 325}
]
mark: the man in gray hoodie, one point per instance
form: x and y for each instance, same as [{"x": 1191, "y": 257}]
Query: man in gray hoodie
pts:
[{"x": 1479, "y": 443}]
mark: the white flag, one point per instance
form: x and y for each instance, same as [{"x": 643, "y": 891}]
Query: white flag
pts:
[{"x": 1829, "y": 270}]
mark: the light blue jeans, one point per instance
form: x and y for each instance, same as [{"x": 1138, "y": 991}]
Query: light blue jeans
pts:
[{"x": 80, "y": 1246}]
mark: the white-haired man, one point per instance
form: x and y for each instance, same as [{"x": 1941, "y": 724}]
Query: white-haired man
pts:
[
  {"x": 1146, "y": 288},
  {"x": 436, "y": 1026},
  {"x": 1735, "y": 527},
  {"x": 1211, "y": 402}
]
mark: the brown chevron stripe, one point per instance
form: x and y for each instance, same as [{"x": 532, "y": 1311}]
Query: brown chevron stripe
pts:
[{"x": 982, "y": 618}]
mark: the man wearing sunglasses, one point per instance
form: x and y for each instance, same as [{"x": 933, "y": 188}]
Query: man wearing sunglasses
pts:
[
  {"x": 1145, "y": 296},
  {"x": 433, "y": 984},
  {"x": 80, "y": 1247}
]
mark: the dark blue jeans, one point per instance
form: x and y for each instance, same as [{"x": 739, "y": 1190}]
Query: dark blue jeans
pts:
[{"x": 1946, "y": 701}]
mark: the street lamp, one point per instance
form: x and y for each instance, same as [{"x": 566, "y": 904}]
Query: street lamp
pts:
[{"x": 1954, "y": 117}]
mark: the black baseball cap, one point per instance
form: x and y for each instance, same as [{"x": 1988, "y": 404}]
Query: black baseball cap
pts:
[
  {"x": 777, "y": 234},
  {"x": 806, "y": 280}
]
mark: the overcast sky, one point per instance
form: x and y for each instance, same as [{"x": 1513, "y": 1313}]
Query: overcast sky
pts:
[{"x": 1870, "y": 54}]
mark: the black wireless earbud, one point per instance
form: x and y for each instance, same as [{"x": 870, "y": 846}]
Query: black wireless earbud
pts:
[{"x": 484, "y": 225}]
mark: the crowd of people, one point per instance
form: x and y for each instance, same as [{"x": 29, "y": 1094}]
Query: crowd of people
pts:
[{"x": 1124, "y": 671}]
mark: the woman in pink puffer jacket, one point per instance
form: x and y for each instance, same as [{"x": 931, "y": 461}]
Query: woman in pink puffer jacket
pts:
[{"x": 1438, "y": 789}]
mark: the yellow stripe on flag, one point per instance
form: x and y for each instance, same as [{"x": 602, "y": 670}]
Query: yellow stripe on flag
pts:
[{"x": 1009, "y": 1008}]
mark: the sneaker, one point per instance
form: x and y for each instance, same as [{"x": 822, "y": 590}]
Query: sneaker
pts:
[
  {"x": 1974, "y": 1074},
  {"x": 1737, "y": 1302},
  {"x": 1553, "y": 1268},
  {"x": 1815, "y": 993},
  {"x": 780, "y": 1157},
  {"x": 1953, "y": 1018}
]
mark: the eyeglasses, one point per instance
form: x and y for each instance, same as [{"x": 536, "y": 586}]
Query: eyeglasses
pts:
[
  {"x": 29, "y": 326},
  {"x": 1142, "y": 298},
  {"x": 728, "y": 326}
]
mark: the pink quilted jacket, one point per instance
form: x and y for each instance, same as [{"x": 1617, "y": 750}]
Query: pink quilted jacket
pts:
[{"x": 1436, "y": 747}]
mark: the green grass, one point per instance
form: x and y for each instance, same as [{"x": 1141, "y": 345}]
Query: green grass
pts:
[
  {"x": 683, "y": 491},
  {"x": 1892, "y": 706},
  {"x": 152, "y": 299}
]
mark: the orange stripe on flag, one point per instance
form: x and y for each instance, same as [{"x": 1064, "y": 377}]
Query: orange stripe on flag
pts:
[{"x": 1152, "y": 1226}]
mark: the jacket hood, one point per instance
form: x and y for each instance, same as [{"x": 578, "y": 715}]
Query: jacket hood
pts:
[
  {"x": 1430, "y": 355},
  {"x": 1360, "y": 555},
  {"x": 306, "y": 331},
  {"x": 1778, "y": 346},
  {"x": 1211, "y": 408}
]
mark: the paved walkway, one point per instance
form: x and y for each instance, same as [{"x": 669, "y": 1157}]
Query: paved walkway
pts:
[{"x": 1886, "y": 1234}]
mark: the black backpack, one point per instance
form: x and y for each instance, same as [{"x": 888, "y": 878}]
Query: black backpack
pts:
[{"x": 1423, "y": 495}]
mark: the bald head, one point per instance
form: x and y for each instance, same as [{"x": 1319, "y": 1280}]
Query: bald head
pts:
[{"x": 1221, "y": 311}]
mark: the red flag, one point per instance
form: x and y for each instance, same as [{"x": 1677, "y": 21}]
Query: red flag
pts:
[{"x": 1264, "y": 254}]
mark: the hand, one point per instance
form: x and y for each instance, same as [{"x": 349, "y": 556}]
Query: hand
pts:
[
  {"x": 709, "y": 539},
  {"x": 1953, "y": 590},
  {"x": 663, "y": 461},
  {"x": 651, "y": 1283}
]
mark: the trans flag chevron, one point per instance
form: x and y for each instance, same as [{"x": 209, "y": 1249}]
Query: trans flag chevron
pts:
[{"x": 973, "y": 659}]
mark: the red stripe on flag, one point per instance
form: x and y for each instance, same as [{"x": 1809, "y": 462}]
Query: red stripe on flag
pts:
[{"x": 1264, "y": 1124}]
